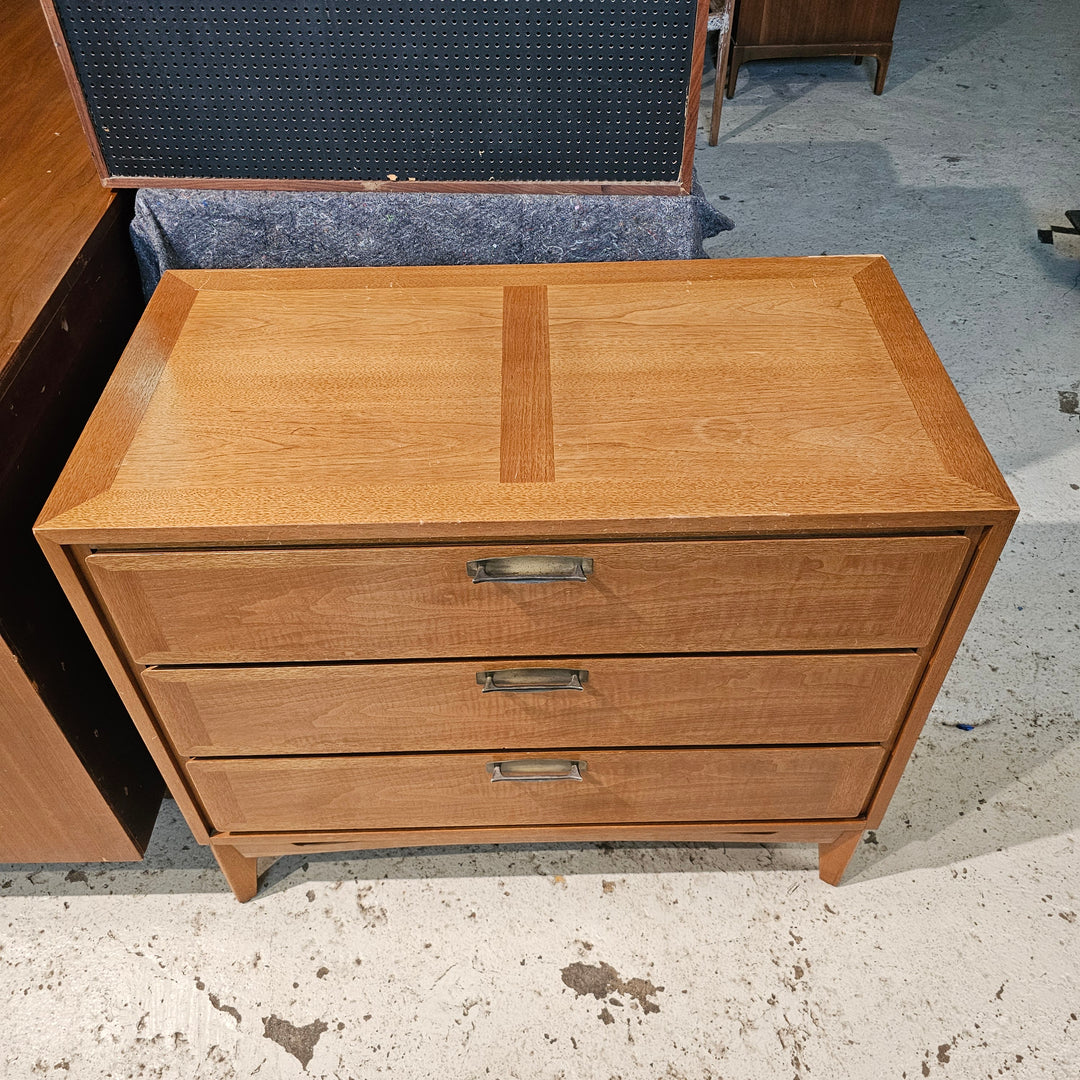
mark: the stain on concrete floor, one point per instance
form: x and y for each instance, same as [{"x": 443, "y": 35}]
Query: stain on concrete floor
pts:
[
  {"x": 298, "y": 1041},
  {"x": 603, "y": 981}
]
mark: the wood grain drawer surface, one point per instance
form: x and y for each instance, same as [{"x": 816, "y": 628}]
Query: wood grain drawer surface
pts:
[
  {"x": 443, "y": 790},
  {"x": 390, "y": 603},
  {"x": 626, "y": 701},
  {"x": 813, "y": 22}
]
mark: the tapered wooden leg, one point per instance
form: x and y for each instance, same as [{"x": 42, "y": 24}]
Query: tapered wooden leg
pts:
[
  {"x": 723, "y": 49},
  {"x": 834, "y": 857},
  {"x": 240, "y": 872},
  {"x": 734, "y": 63},
  {"x": 882, "y": 68},
  {"x": 717, "y": 106}
]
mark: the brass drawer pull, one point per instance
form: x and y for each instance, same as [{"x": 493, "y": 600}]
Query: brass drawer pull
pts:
[
  {"x": 530, "y": 569},
  {"x": 532, "y": 680},
  {"x": 535, "y": 770}
]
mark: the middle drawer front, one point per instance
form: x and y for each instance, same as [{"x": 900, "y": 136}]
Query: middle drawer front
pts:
[
  {"x": 212, "y": 607},
  {"x": 624, "y": 701},
  {"x": 401, "y": 791}
]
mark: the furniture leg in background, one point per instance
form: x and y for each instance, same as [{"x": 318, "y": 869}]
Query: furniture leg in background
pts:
[
  {"x": 720, "y": 21},
  {"x": 765, "y": 30}
]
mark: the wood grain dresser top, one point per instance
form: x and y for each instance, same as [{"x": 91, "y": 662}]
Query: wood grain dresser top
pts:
[{"x": 621, "y": 399}]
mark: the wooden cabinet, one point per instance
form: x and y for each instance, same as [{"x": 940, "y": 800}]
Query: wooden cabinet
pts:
[
  {"x": 770, "y": 29},
  {"x": 472, "y": 554},
  {"x": 76, "y": 783}
]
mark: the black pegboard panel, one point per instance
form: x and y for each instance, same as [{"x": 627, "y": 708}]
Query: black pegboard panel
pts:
[{"x": 431, "y": 90}]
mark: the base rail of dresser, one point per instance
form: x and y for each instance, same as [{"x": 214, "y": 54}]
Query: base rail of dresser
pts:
[
  {"x": 238, "y": 854},
  {"x": 256, "y": 845}
]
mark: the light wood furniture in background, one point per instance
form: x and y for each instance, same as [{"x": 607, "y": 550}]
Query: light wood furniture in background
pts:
[
  {"x": 476, "y": 554},
  {"x": 771, "y": 29},
  {"x": 76, "y": 783}
]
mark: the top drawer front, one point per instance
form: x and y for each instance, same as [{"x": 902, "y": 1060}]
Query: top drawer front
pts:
[{"x": 399, "y": 602}]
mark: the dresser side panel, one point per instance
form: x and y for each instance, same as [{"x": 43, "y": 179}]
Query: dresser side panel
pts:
[
  {"x": 67, "y": 564},
  {"x": 987, "y": 552}
]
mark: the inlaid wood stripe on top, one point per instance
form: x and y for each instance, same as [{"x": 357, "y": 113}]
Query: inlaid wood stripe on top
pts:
[{"x": 527, "y": 442}]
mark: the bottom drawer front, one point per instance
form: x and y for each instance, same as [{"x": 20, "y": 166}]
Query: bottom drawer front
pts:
[{"x": 441, "y": 790}]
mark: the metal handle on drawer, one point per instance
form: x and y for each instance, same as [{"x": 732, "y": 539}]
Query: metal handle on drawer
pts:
[
  {"x": 531, "y": 680},
  {"x": 530, "y": 569},
  {"x": 532, "y": 769}
]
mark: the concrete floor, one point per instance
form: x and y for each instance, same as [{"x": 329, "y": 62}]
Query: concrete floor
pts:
[{"x": 952, "y": 950}]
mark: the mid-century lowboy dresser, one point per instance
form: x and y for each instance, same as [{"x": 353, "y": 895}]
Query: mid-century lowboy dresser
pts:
[{"x": 642, "y": 551}]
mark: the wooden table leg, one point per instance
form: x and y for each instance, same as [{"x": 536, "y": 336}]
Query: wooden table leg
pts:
[
  {"x": 723, "y": 49},
  {"x": 735, "y": 59},
  {"x": 883, "y": 57},
  {"x": 240, "y": 872},
  {"x": 834, "y": 857}
]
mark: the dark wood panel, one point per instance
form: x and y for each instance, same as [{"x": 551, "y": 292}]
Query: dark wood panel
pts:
[
  {"x": 51, "y": 386},
  {"x": 814, "y": 22}
]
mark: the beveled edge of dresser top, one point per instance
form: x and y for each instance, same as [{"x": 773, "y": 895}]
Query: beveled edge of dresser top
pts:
[{"x": 84, "y": 509}]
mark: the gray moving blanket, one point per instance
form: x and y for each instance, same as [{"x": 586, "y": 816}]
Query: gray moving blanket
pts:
[{"x": 188, "y": 229}]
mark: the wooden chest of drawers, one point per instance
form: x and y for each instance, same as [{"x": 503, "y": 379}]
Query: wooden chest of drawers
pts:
[
  {"x": 771, "y": 29},
  {"x": 474, "y": 554}
]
